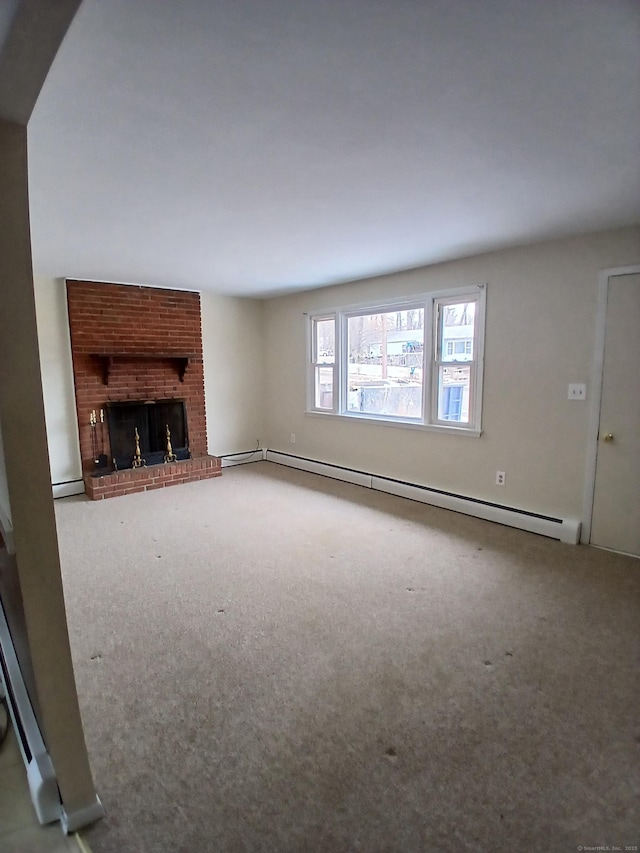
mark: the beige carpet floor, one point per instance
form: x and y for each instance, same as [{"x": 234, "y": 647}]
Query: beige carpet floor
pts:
[{"x": 275, "y": 661}]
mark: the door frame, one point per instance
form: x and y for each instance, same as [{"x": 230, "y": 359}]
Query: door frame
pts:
[{"x": 593, "y": 427}]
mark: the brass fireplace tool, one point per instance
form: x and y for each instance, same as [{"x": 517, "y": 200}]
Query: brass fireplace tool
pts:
[
  {"x": 170, "y": 456},
  {"x": 99, "y": 456},
  {"x": 94, "y": 440},
  {"x": 138, "y": 461}
]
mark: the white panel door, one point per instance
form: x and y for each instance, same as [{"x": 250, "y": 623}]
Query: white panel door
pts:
[{"x": 616, "y": 507}]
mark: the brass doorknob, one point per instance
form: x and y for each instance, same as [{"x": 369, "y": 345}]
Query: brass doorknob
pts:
[{"x": 608, "y": 436}]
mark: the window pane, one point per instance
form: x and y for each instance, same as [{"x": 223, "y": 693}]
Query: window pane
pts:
[
  {"x": 325, "y": 341},
  {"x": 453, "y": 393},
  {"x": 323, "y": 397},
  {"x": 457, "y": 331},
  {"x": 385, "y": 363}
]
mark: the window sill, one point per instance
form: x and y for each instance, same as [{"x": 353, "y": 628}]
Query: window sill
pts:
[{"x": 398, "y": 423}]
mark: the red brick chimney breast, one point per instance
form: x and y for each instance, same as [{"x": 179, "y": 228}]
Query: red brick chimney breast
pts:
[{"x": 137, "y": 343}]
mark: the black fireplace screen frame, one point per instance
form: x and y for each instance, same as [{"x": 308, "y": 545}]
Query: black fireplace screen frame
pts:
[{"x": 151, "y": 418}]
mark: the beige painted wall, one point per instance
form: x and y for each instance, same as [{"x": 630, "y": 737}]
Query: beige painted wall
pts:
[
  {"x": 57, "y": 379},
  {"x": 232, "y": 341},
  {"x": 540, "y": 332}
]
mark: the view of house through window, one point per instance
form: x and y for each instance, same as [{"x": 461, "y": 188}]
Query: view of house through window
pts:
[
  {"x": 386, "y": 363},
  {"x": 406, "y": 361}
]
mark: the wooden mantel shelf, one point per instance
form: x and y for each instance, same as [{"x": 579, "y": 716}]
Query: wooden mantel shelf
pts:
[{"x": 107, "y": 359}]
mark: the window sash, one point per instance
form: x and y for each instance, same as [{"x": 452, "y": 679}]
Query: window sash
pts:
[
  {"x": 322, "y": 365},
  {"x": 445, "y": 360},
  {"x": 411, "y": 413}
]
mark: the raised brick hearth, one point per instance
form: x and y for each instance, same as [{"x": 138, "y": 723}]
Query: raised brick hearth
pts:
[
  {"x": 131, "y": 343},
  {"x": 155, "y": 477}
]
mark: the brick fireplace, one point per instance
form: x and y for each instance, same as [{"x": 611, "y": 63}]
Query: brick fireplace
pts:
[{"x": 139, "y": 346}]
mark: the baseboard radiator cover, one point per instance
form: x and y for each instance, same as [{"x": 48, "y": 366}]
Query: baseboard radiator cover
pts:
[
  {"x": 78, "y": 819},
  {"x": 68, "y": 488},
  {"x": 564, "y": 529},
  {"x": 41, "y": 776}
]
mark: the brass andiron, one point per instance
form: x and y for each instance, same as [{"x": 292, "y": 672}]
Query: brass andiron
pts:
[
  {"x": 138, "y": 461},
  {"x": 170, "y": 456}
]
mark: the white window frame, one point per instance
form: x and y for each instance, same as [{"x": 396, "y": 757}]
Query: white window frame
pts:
[
  {"x": 439, "y": 304},
  {"x": 315, "y": 363},
  {"x": 429, "y": 302}
]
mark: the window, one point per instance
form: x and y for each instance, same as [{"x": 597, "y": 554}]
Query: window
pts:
[
  {"x": 459, "y": 347},
  {"x": 413, "y": 361},
  {"x": 454, "y": 321},
  {"x": 384, "y": 363},
  {"x": 324, "y": 362}
]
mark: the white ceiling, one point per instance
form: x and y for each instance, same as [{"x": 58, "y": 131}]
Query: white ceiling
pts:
[{"x": 253, "y": 147}]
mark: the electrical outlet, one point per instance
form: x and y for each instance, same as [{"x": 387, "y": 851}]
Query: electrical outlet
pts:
[
  {"x": 293, "y": 438},
  {"x": 577, "y": 391},
  {"x": 501, "y": 478}
]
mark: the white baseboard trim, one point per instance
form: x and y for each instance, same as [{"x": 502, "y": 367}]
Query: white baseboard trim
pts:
[
  {"x": 564, "y": 529},
  {"x": 68, "y": 488}
]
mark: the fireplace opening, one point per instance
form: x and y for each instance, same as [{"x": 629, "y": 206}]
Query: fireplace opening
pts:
[{"x": 151, "y": 418}]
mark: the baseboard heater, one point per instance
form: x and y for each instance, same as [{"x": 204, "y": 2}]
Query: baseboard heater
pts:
[
  {"x": 565, "y": 529},
  {"x": 68, "y": 488},
  {"x": 41, "y": 776}
]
